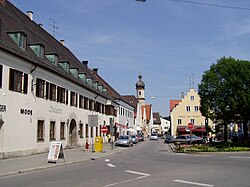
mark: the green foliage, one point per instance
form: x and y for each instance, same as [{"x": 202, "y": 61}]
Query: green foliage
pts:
[{"x": 225, "y": 91}]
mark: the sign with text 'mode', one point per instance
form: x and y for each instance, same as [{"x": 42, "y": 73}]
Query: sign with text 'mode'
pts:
[
  {"x": 55, "y": 152},
  {"x": 93, "y": 120}
]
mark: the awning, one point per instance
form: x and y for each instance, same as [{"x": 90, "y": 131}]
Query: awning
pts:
[
  {"x": 123, "y": 126},
  {"x": 199, "y": 129},
  {"x": 182, "y": 129}
]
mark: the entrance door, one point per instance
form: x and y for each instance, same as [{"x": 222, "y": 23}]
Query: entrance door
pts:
[{"x": 72, "y": 133}]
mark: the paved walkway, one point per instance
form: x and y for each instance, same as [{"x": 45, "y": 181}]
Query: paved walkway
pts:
[{"x": 39, "y": 161}]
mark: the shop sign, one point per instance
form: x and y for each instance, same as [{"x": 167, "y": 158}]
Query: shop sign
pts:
[
  {"x": 26, "y": 111},
  {"x": 2, "y": 108},
  {"x": 55, "y": 110}
]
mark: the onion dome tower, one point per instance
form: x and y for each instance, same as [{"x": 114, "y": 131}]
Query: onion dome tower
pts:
[{"x": 140, "y": 89}]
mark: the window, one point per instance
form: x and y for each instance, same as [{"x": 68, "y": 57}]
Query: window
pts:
[
  {"x": 81, "y": 130},
  {"x": 52, "y": 95},
  {"x": 192, "y": 121},
  {"x": 52, "y": 130},
  {"x": 196, "y": 108},
  {"x": 192, "y": 98},
  {"x": 61, "y": 95},
  {"x": 19, "y": 38},
  {"x": 18, "y": 81},
  {"x": 179, "y": 121},
  {"x": 40, "y": 130},
  {"x": 62, "y": 131},
  {"x": 87, "y": 130},
  {"x": 73, "y": 99},
  {"x": 53, "y": 58},
  {"x": 1, "y": 75},
  {"x": 139, "y": 92},
  {"x": 40, "y": 88},
  {"x": 64, "y": 66},
  {"x": 188, "y": 108},
  {"x": 38, "y": 50},
  {"x": 81, "y": 101}
]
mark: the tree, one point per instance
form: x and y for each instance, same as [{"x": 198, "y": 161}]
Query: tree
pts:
[{"x": 225, "y": 92}]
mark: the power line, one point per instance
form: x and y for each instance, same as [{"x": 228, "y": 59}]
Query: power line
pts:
[{"x": 211, "y": 4}]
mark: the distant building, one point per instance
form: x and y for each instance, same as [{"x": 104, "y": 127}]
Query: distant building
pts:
[
  {"x": 185, "y": 111},
  {"x": 156, "y": 128}
]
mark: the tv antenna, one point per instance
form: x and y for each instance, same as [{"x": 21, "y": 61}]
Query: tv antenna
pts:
[
  {"x": 191, "y": 80},
  {"x": 54, "y": 26}
]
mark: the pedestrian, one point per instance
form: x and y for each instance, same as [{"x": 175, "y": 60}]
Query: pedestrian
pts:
[{"x": 87, "y": 145}]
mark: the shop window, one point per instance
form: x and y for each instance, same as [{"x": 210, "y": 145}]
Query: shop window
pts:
[
  {"x": 52, "y": 130},
  {"x": 62, "y": 131},
  {"x": 40, "y": 130},
  {"x": 18, "y": 81},
  {"x": 19, "y": 38}
]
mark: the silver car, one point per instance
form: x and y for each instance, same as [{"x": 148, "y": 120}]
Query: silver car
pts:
[{"x": 124, "y": 140}]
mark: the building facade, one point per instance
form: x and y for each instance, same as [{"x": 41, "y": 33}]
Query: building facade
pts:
[
  {"x": 187, "y": 111},
  {"x": 46, "y": 93}
]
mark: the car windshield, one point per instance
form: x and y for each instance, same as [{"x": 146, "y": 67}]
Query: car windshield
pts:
[
  {"x": 154, "y": 135},
  {"x": 123, "y": 137}
]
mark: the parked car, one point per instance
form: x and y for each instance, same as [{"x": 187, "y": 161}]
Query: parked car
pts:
[
  {"x": 124, "y": 141},
  {"x": 169, "y": 139},
  {"x": 153, "y": 136},
  {"x": 185, "y": 139},
  {"x": 141, "y": 137},
  {"x": 134, "y": 139}
]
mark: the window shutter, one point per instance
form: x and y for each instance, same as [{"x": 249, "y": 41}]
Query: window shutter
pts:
[
  {"x": 25, "y": 85},
  {"x": 11, "y": 80}
]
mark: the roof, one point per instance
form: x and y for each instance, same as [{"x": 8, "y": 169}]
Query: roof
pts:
[
  {"x": 14, "y": 20},
  {"x": 132, "y": 100},
  {"x": 173, "y": 104}
]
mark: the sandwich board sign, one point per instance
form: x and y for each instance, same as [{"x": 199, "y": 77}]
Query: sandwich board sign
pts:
[{"x": 55, "y": 152}]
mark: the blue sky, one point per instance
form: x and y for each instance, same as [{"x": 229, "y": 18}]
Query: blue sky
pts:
[{"x": 166, "y": 41}]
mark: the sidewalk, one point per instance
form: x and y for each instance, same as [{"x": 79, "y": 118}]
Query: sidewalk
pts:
[{"x": 39, "y": 161}]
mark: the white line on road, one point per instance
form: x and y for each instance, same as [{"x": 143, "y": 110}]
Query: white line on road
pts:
[
  {"x": 239, "y": 157},
  {"x": 107, "y": 160},
  {"x": 129, "y": 180},
  {"x": 204, "y": 155},
  {"x": 111, "y": 165},
  {"x": 194, "y": 183},
  {"x": 138, "y": 173}
]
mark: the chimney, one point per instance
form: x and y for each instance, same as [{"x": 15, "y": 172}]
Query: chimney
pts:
[
  {"x": 62, "y": 42},
  {"x": 30, "y": 15},
  {"x": 95, "y": 70},
  {"x": 85, "y": 63},
  {"x": 182, "y": 95},
  {"x": 3, "y": 2}
]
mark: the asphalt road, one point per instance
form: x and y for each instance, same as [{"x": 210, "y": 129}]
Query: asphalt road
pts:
[{"x": 147, "y": 164}]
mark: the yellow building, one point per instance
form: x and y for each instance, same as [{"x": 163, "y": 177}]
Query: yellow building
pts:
[{"x": 186, "y": 110}]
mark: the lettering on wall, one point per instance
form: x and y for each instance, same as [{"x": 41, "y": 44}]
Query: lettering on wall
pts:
[
  {"x": 55, "y": 110},
  {"x": 26, "y": 111},
  {"x": 3, "y": 108}
]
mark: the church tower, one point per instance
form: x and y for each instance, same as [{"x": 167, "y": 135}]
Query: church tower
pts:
[{"x": 140, "y": 89}]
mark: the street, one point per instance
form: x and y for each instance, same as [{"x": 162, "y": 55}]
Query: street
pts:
[{"x": 149, "y": 163}]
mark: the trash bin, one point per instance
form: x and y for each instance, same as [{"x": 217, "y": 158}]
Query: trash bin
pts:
[{"x": 98, "y": 144}]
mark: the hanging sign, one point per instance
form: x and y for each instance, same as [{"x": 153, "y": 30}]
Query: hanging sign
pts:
[{"x": 55, "y": 152}]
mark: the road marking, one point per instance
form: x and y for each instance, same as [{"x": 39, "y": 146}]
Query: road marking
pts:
[
  {"x": 129, "y": 180},
  {"x": 194, "y": 183},
  {"x": 181, "y": 154},
  {"x": 138, "y": 173},
  {"x": 239, "y": 157},
  {"x": 111, "y": 165},
  {"x": 204, "y": 155},
  {"x": 107, "y": 160}
]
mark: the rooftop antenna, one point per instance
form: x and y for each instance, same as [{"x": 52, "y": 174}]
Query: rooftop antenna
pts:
[
  {"x": 54, "y": 26},
  {"x": 191, "y": 80}
]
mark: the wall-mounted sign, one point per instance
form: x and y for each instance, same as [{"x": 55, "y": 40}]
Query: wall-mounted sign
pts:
[
  {"x": 26, "y": 111},
  {"x": 2, "y": 108},
  {"x": 93, "y": 120}
]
